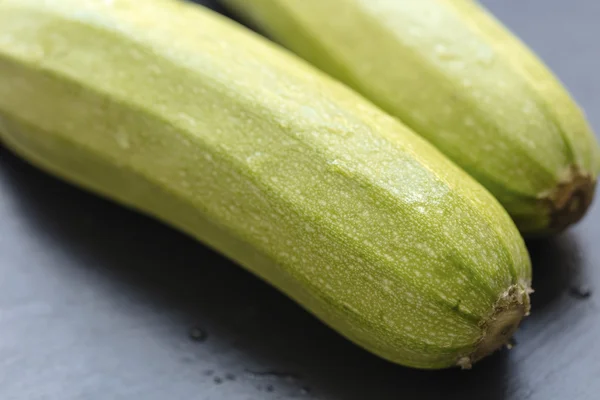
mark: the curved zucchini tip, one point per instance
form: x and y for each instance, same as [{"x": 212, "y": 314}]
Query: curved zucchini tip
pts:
[{"x": 499, "y": 328}]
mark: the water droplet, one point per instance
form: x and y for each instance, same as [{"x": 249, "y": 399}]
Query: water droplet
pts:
[
  {"x": 308, "y": 112},
  {"x": 123, "y": 140},
  {"x": 230, "y": 377},
  {"x": 136, "y": 54},
  {"x": 155, "y": 69},
  {"x": 304, "y": 391},
  {"x": 198, "y": 334},
  {"x": 580, "y": 292},
  {"x": 528, "y": 108},
  {"x": 443, "y": 53},
  {"x": 486, "y": 57},
  {"x": 187, "y": 118}
]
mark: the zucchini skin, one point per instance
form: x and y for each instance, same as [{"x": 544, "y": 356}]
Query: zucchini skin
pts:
[
  {"x": 456, "y": 76},
  {"x": 174, "y": 111}
]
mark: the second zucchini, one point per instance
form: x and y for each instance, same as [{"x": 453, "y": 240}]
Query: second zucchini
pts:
[{"x": 456, "y": 76}]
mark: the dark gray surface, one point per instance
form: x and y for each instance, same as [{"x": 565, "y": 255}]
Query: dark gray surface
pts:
[{"x": 97, "y": 302}]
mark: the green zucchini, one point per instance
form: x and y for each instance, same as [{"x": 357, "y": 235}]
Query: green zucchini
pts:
[
  {"x": 456, "y": 76},
  {"x": 182, "y": 114}
]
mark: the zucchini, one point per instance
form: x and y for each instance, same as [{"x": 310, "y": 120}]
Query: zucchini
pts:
[
  {"x": 456, "y": 76},
  {"x": 177, "y": 112}
]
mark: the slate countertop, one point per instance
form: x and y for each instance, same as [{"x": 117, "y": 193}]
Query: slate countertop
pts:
[{"x": 100, "y": 303}]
